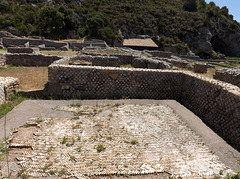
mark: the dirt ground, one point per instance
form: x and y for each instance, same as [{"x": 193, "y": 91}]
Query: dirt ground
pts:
[{"x": 31, "y": 78}]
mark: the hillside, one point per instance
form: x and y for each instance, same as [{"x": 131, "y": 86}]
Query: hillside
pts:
[{"x": 174, "y": 24}]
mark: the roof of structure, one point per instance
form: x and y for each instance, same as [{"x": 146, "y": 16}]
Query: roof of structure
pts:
[{"x": 139, "y": 42}]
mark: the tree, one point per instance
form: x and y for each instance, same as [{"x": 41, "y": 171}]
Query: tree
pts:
[
  {"x": 51, "y": 22},
  {"x": 4, "y": 5},
  {"x": 190, "y": 5},
  {"x": 224, "y": 11},
  {"x": 71, "y": 19},
  {"x": 98, "y": 26}
]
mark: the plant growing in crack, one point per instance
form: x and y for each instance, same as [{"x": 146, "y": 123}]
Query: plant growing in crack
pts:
[
  {"x": 79, "y": 148},
  {"x": 133, "y": 142},
  {"x": 72, "y": 158},
  {"x": 64, "y": 140},
  {"x": 71, "y": 143},
  {"x": 100, "y": 148},
  {"x": 75, "y": 105}
]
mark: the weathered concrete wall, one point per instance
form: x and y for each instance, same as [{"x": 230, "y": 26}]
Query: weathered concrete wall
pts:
[
  {"x": 8, "y": 85},
  {"x": 30, "y": 59},
  {"x": 216, "y": 103},
  {"x": 228, "y": 75},
  {"x": 32, "y": 42}
]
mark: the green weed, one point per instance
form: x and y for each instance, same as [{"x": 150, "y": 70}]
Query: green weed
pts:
[{"x": 100, "y": 148}]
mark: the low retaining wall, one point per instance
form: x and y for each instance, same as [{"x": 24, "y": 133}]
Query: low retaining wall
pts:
[
  {"x": 216, "y": 103},
  {"x": 124, "y": 59},
  {"x": 22, "y": 59},
  {"x": 22, "y": 50},
  {"x": 118, "y": 60},
  {"x": 7, "y": 42},
  {"x": 228, "y": 75},
  {"x": 8, "y": 86},
  {"x": 156, "y": 53},
  {"x": 196, "y": 67}
]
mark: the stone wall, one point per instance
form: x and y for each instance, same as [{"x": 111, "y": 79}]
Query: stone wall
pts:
[
  {"x": 117, "y": 60},
  {"x": 22, "y": 50},
  {"x": 8, "y": 86},
  {"x": 228, "y": 75},
  {"x": 99, "y": 60},
  {"x": 7, "y": 42},
  {"x": 2, "y": 58},
  {"x": 216, "y": 103},
  {"x": 162, "y": 54},
  {"x": 30, "y": 59},
  {"x": 87, "y": 43}
]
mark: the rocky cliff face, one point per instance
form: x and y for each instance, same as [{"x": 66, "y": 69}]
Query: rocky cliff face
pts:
[{"x": 217, "y": 37}]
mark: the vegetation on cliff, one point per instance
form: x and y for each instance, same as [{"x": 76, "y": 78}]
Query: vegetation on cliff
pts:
[{"x": 167, "y": 20}]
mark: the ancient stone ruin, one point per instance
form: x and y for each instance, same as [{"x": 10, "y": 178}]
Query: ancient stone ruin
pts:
[
  {"x": 8, "y": 86},
  {"x": 229, "y": 75},
  {"x": 216, "y": 103}
]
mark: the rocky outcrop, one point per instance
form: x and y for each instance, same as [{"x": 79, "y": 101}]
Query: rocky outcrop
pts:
[
  {"x": 219, "y": 36},
  {"x": 225, "y": 39},
  {"x": 200, "y": 43}
]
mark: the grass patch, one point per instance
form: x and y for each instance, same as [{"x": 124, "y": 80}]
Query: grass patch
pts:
[
  {"x": 76, "y": 105},
  {"x": 233, "y": 58},
  {"x": 14, "y": 100},
  {"x": 127, "y": 66},
  {"x": 64, "y": 140},
  {"x": 62, "y": 172},
  {"x": 3, "y": 150}
]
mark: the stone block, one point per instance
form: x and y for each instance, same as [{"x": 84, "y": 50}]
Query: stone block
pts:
[
  {"x": 200, "y": 68},
  {"x": 140, "y": 63}
]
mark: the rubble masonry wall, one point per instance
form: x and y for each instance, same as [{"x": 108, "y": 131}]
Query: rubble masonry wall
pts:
[
  {"x": 23, "y": 59},
  {"x": 228, "y": 75}
]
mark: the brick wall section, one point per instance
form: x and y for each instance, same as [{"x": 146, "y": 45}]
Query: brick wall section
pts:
[
  {"x": 228, "y": 75},
  {"x": 30, "y": 59},
  {"x": 216, "y": 103}
]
